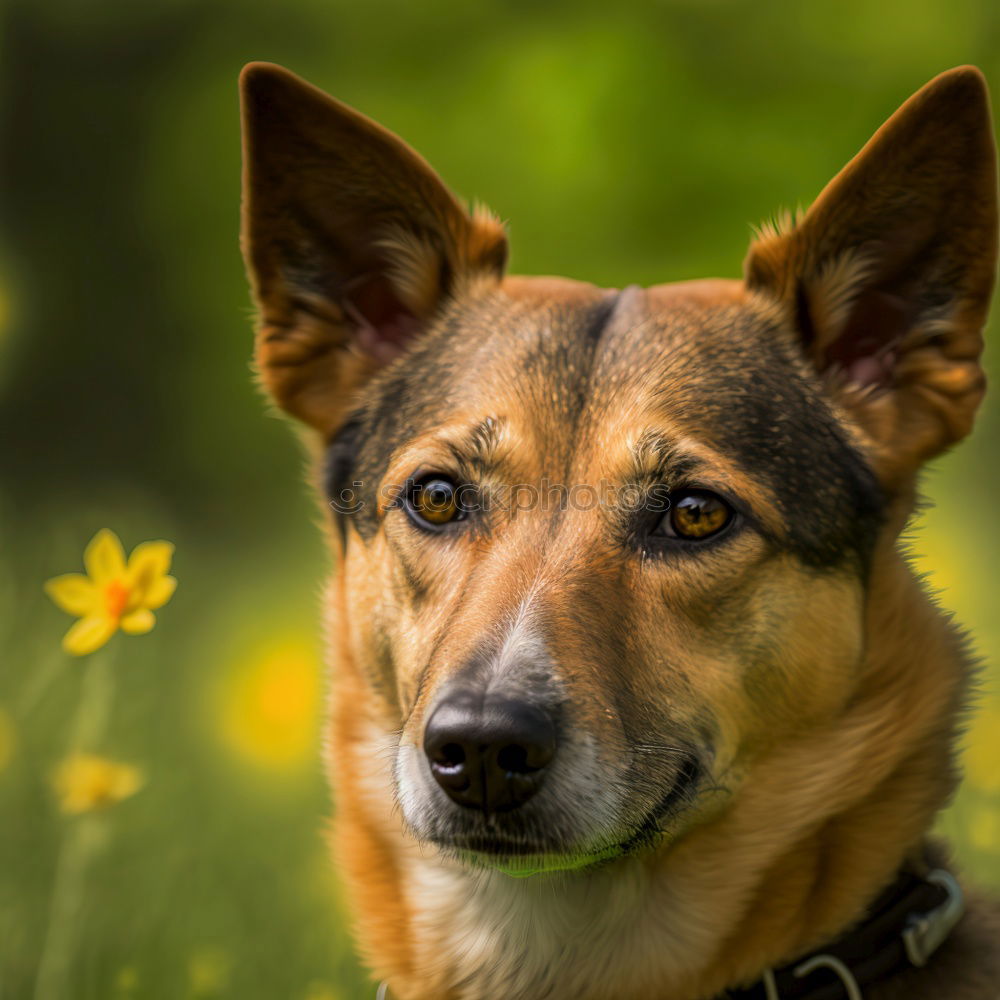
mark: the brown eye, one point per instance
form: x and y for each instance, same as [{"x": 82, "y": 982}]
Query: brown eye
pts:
[
  {"x": 434, "y": 501},
  {"x": 696, "y": 515}
]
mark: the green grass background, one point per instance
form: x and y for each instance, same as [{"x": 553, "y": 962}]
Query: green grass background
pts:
[{"x": 627, "y": 142}]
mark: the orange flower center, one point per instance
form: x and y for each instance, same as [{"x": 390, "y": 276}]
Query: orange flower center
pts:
[{"x": 115, "y": 598}]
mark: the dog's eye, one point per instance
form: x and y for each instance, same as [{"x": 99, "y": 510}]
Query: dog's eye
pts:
[
  {"x": 434, "y": 500},
  {"x": 695, "y": 514}
]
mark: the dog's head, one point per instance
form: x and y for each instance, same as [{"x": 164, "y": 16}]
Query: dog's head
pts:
[{"x": 597, "y": 549}]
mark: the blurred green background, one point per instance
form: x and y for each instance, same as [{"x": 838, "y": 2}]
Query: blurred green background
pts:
[{"x": 625, "y": 143}]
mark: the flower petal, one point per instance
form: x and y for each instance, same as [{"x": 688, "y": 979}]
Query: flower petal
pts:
[
  {"x": 160, "y": 592},
  {"x": 73, "y": 592},
  {"x": 104, "y": 557},
  {"x": 138, "y": 622},
  {"x": 148, "y": 563},
  {"x": 88, "y": 634}
]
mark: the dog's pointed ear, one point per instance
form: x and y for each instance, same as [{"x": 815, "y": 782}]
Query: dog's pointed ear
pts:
[
  {"x": 888, "y": 276},
  {"x": 352, "y": 243}
]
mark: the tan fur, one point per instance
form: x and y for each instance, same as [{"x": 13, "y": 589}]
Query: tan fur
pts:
[{"x": 827, "y": 693}]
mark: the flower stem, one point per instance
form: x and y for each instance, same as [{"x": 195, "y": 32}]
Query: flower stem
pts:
[
  {"x": 82, "y": 840},
  {"x": 80, "y": 845},
  {"x": 93, "y": 708}
]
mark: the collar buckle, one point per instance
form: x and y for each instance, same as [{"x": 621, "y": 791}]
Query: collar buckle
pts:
[
  {"x": 923, "y": 934},
  {"x": 926, "y": 932}
]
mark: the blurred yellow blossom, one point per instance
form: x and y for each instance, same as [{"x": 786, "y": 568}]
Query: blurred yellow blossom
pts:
[
  {"x": 6, "y": 738},
  {"x": 113, "y": 594},
  {"x": 984, "y": 830},
  {"x": 271, "y": 704},
  {"x": 318, "y": 990},
  {"x": 208, "y": 970},
  {"x": 982, "y": 756},
  {"x": 127, "y": 979},
  {"x": 86, "y": 782}
]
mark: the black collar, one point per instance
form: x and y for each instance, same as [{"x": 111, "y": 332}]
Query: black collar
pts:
[{"x": 903, "y": 927}]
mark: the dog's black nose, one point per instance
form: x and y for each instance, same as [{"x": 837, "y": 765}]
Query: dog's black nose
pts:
[{"x": 489, "y": 753}]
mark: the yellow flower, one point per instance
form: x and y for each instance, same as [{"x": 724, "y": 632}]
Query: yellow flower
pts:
[
  {"x": 86, "y": 782},
  {"x": 114, "y": 594}
]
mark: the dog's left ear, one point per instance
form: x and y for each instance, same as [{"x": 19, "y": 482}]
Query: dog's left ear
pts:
[
  {"x": 353, "y": 244},
  {"x": 888, "y": 276}
]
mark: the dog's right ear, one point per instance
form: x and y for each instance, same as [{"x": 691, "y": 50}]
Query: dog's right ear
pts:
[
  {"x": 887, "y": 278},
  {"x": 352, "y": 243}
]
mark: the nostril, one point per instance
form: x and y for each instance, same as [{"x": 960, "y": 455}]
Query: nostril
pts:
[
  {"x": 514, "y": 759},
  {"x": 449, "y": 755}
]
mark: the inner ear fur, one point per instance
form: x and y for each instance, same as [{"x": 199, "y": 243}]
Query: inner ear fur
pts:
[
  {"x": 352, "y": 243},
  {"x": 888, "y": 276}
]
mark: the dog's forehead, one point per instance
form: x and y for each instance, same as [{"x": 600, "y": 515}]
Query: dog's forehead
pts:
[
  {"x": 703, "y": 355},
  {"x": 616, "y": 346},
  {"x": 577, "y": 371},
  {"x": 561, "y": 342}
]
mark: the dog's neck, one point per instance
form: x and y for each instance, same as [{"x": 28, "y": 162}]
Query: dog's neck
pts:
[
  {"x": 864, "y": 790},
  {"x": 820, "y": 826}
]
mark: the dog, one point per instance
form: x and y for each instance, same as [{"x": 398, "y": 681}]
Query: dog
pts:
[{"x": 635, "y": 695}]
